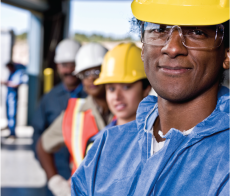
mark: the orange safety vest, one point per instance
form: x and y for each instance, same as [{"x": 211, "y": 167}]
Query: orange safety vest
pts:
[{"x": 78, "y": 127}]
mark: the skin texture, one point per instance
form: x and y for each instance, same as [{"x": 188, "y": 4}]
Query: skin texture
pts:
[
  {"x": 185, "y": 80},
  {"x": 65, "y": 71},
  {"x": 46, "y": 160},
  {"x": 123, "y": 100}
]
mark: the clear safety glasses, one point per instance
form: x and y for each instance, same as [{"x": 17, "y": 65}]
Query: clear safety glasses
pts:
[
  {"x": 86, "y": 74},
  {"x": 192, "y": 37}
]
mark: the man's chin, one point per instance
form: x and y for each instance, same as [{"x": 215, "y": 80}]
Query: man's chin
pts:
[{"x": 175, "y": 96}]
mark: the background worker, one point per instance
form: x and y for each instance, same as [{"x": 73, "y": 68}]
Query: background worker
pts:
[
  {"x": 179, "y": 143},
  {"x": 126, "y": 84},
  {"x": 17, "y": 77},
  {"x": 54, "y": 102},
  {"x": 82, "y": 119}
]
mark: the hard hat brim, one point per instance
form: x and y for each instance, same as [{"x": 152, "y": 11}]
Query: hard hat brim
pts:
[
  {"x": 115, "y": 79},
  {"x": 180, "y": 15}
]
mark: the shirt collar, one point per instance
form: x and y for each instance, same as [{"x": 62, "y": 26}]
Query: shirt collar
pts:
[{"x": 74, "y": 93}]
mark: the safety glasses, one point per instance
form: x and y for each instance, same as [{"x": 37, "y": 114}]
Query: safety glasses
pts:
[
  {"x": 86, "y": 74},
  {"x": 192, "y": 37}
]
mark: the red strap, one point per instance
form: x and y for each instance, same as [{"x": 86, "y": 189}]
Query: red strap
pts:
[
  {"x": 89, "y": 130},
  {"x": 67, "y": 123}
]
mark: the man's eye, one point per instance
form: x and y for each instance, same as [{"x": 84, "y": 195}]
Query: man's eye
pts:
[
  {"x": 160, "y": 30},
  {"x": 198, "y": 32}
]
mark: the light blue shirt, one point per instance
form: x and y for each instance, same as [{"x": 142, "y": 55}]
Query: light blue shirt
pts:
[{"x": 120, "y": 162}]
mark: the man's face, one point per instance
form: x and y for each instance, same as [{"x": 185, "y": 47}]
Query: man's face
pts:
[
  {"x": 65, "y": 71},
  {"x": 179, "y": 74}
]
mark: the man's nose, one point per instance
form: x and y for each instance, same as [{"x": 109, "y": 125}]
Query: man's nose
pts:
[
  {"x": 69, "y": 69},
  {"x": 174, "y": 45},
  {"x": 92, "y": 77}
]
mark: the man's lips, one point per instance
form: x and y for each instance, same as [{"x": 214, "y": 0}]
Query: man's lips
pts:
[{"x": 174, "y": 70}]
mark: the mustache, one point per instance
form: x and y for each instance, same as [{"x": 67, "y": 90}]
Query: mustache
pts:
[{"x": 68, "y": 74}]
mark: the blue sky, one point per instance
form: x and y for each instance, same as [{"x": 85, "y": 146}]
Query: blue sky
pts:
[
  {"x": 108, "y": 18},
  {"x": 14, "y": 18}
]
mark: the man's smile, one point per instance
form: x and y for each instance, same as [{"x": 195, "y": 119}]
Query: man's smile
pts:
[{"x": 173, "y": 70}]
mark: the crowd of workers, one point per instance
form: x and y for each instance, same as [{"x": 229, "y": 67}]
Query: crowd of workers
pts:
[{"x": 100, "y": 126}]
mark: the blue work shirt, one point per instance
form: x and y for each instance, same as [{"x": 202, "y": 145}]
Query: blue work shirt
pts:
[
  {"x": 120, "y": 162},
  {"x": 51, "y": 105}
]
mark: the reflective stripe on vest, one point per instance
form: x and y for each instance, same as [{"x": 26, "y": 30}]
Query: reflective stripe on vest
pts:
[{"x": 77, "y": 128}]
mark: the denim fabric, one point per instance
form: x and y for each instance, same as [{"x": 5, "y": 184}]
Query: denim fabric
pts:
[
  {"x": 100, "y": 134},
  {"x": 119, "y": 163}
]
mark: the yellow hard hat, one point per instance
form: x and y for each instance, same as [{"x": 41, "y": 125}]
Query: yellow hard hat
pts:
[
  {"x": 178, "y": 12},
  {"x": 122, "y": 64}
]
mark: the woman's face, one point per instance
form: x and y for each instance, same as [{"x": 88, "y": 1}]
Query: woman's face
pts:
[{"x": 123, "y": 99}]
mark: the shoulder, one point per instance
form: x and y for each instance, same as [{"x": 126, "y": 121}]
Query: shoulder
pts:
[
  {"x": 121, "y": 131},
  {"x": 54, "y": 92},
  {"x": 122, "y": 136},
  {"x": 19, "y": 66},
  {"x": 56, "y": 89},
  {"x": 223, "y": 100}
]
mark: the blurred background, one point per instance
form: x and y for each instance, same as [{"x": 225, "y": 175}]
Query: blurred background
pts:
[{"x": 30, "y": 32}]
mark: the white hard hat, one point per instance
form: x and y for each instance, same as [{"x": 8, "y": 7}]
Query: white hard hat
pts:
[
  {"x": 89, "y": 56},
  {"x": 66, "y": 51}
]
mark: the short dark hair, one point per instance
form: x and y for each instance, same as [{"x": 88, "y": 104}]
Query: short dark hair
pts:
[
  {"x": 10, "y": 64},
  {"x": 135, "y": 25},
  {"x": 145, "y": 83},
  {"x": 226, "y": 34},
  {"x": 226, "y": 45}
]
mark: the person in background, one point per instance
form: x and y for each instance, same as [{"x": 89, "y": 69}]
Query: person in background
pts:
[
  {"x": 17, "y": 77},
  {"x": 179, "y": 142},
  {"x": 55, "y": 101},
  {"x": 126, "y": 84},
  {"x": 82, "y": 119}
]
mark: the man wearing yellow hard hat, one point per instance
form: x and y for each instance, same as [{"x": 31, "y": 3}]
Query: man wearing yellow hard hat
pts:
[{"x": 179, "y": 142}]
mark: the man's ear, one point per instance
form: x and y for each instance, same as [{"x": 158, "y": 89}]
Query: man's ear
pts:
[
  {"x": 142, "y": 53},
  {"x": 227, "y": 59}
]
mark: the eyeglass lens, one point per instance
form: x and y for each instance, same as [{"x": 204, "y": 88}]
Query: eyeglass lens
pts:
[
  {"x": 192, "y": 37},
  {"x": 94, "y": 72}
]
